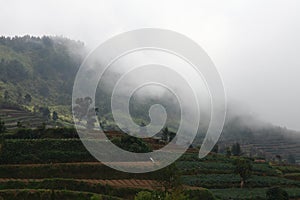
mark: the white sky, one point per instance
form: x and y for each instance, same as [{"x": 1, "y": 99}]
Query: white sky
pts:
[{"x": 255, "y": 44}]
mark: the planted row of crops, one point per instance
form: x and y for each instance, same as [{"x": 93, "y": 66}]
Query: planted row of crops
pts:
[
  {"x": 71, "y": 185},
  {"x": 68, "y": 170},
  {"x": 214, "y": 167},
  {"x": 247, "y": 194},
  {"x": 232, "y": 180},
  {"x": 29, "y": 194}
]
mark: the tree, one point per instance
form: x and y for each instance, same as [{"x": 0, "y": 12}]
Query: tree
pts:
[
  {"x": 228, "y": 152},
  {"x": 276, "y": 193},
  {"x": 90, "y": 119},
  {"x": 54, "y": 116},
  {"x": 45, "y": 112},
  {"x": 19, "y": 124},
  {"x": 6, "y": 96},
  {"x": 82, "y": 108},
  {"x": 243, "y": 167},
  {"x": 2, "y": 126},
  {"x": 19, "y": 97},
  {"x": 27, "y": 98},
  {"x": 278, "y": 157},
  {"x": 236, "y": 149},
  {"x": 215, "y": 149},
  {"x": 167, "y": 135},
  {"x": 169, "y": 177}
]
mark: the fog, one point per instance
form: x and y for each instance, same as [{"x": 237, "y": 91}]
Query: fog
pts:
[{"x": 254, "y": 44}]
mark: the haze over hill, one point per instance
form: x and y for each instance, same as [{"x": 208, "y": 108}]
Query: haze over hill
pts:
[
  {"x": 46, "y": 67},
  {"x": 253, "y": 43}
]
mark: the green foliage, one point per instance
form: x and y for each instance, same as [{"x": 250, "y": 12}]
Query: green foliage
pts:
[
  {"x": 200, "y": 194},
  {"x": 25, "y": 194},
  {"x": 215, "y": 149},
  {"x": 42, "y": 133},
  {"x": 243, "y": 167},
  {"x": 167, "y": 135},
  {"x": 143, "y": 195},
  {"x": 228, "y": 151},
  {"x": 92, "y": 170},
  {"x": 45, "y": 112},
  {"x": 233, "y": 180},
  {"x": 54, "y": 116},
  {"x": 176, "y": 194},
  {"x": 70, "y": 184},
  {"x": 96, "y": 197},
  {"x": 43, "y": 151},
  {"x": 276, "y": 193},
  {"x": 2, "y": 126},
  {"x": 6, "y": 96},
  {"x": 27, "y": 98},
  {"x": 293, "y": 176},
  {"x": 42, "y": 67},
  {"x": 132, "y": 144},
  {"x": 288, "y": 169},
  {"x": 169, "y": 177},
  {"x": 236, "y": 149}
]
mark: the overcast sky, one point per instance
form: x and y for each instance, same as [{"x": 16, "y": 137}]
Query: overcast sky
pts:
[{"x": 255, "y": 44}]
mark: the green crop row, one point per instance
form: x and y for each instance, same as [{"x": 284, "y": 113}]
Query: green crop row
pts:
[
  {"x": 43, "y": 151},
  {"x": 71, "y": 185},
  {"x": 232, "y": 180},
  {"x": 26, "y": 194},
  {"x": 247, "y": 194}
]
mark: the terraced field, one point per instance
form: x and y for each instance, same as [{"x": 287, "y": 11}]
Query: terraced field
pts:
[
  {"x": 280, "y": 146},
  {"x": 56, "y": 168},
  {"x": 12, "y": 117},
  {"x": 59, "y": 165}
]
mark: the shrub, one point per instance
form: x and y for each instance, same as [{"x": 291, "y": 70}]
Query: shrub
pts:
[
  {"x": 143, "y": 195},
  {"x": 276, "y": 193},
  {"x": 203, "y": 194}
]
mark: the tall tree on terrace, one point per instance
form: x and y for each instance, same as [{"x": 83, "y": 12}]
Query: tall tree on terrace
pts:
[{"x": 243, "y": 167}]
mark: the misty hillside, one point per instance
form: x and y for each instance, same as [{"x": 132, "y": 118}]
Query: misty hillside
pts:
[
  {"x": 45, "y": 68},
  {"x": 42, "y": 67}
]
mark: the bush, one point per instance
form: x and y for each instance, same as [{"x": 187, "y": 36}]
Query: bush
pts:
[
  {"x": 203, "y": 194},
  {"x": 143, "y": 195},
  {"x": 276, "y": 193}
]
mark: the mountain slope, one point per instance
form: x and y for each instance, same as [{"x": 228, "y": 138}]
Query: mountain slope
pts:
[
  {"x": 45, "y": 68},
  {"x": 42, "y": 67}
]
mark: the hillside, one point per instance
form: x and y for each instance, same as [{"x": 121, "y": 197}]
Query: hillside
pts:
[
  {"x": 37, "y": 75},
  {"x": 41, "y": 68},
  {"x": 64, "y": 167}
]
